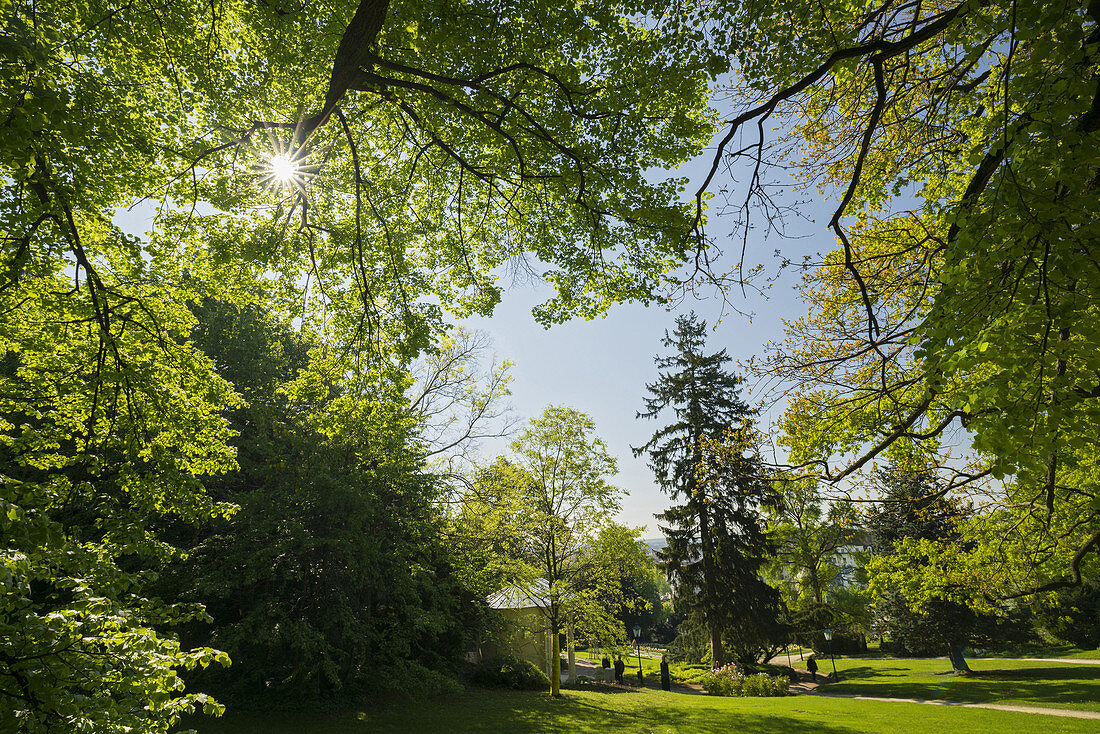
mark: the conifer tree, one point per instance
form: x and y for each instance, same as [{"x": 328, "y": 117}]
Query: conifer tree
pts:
[{"x": 705, "y": 459}]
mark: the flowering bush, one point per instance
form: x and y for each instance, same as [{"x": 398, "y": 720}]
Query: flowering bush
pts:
[{"x": 729, "y": 681}]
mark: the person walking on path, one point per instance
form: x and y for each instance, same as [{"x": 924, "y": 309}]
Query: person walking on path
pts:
[{"x": 811, "y": 665}]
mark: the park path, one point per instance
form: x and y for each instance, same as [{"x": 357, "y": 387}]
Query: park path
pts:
[
  {"x": 1067, "y": 713},
  {"x": 805, "y": 686}
]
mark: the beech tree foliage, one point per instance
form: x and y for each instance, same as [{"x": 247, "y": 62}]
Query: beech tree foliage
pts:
[
  {"x": 958, "y": 144},
  {"x": 921, "y": 608}
]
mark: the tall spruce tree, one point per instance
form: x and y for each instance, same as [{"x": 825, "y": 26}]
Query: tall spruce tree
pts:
[{"x": 716, "y": 542}]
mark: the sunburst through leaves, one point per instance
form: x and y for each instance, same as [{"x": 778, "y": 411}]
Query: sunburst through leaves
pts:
[{"x": 282, "y": 165}]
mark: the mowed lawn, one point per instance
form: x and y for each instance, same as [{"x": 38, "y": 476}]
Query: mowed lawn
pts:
[
  {"x": 1015, "y": 682},
  {"x": 642, "y": 712}
]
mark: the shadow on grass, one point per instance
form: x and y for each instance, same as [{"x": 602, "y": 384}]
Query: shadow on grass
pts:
[
  {"x": 1042, "y": 685},
  {"x": 580, "y": 715},
  {"x": 867, "y": 673},
  {"x": 1039, "y": 685},
  {"x": 536, "y": 713},
  {"x": 597, "y": 687}
]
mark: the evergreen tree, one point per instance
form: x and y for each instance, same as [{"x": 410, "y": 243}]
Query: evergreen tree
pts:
[
  {"x": 913, "y": 505},
  {"x": 705, "y": 458}
]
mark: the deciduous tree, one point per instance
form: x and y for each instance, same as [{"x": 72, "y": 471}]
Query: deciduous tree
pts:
[
  {"x": 331, "y": 579},
  {"x": 808, "y": 538},
  {"x": 921, "y": 607},
  {"x": 550, "y": 505},
  {"x": 958, "y": 144}
]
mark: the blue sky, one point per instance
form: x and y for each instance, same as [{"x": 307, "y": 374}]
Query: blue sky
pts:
[{"x": 602, "y": 366}]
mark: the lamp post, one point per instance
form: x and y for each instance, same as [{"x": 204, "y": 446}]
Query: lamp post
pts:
[
  {"x": 829, "y": 639},
  {"x": 638, "y": 648}
]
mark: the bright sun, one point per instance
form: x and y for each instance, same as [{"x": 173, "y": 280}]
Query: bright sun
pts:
[{"x": 283, "y": 168}]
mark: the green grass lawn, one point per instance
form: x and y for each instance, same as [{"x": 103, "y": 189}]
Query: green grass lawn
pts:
[
  {"x": 1033, "y": 683},
  {"x": 678, "y": 672},
  {"x": 642, "y": 712},
  {"x": 651, "y": 670}
]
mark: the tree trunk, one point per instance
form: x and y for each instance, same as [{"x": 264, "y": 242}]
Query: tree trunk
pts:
[
  {"x": 958, "y": 662},
  {"x": 717, "y": 655},
  {"x": 572, "y": 653},
  {"x": 353, "y": 54},
  {"x": 815, "y": 586},
  {"x": 555, "y": 666}
]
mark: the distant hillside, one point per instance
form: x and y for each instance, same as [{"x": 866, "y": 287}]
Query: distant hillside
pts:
[{"x": 655, "y": 544}]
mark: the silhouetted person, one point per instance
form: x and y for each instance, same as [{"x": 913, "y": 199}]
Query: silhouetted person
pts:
[
  {"x": 666, "y": 682},
  {"x": 811, "y": 665},
  {"x": 620, "y": 667}
]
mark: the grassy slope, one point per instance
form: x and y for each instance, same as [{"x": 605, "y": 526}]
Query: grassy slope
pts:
[
  {"x": 1058, "y": 685},
  {"x": 643, "y": 712},
  {"x": 1048, "y": 652},
  {"x": 678, "y": 672}
]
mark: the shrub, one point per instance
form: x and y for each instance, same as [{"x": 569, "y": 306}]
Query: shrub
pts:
[
  {"x": 763, "y": 684},
  {"x": 725, "y": 681},
  {"x": 418, "y": 681},
  {"x": 779, "y": 670},
  {"x": 505, "y": 672},
  {"x": 688, "y": 673},
  {"x": 728, "y": 681},
  {"x": 691, "y": 646}
]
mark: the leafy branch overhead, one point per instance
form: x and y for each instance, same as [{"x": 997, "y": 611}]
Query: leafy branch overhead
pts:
[
  {"x": 958, "y": 144},
  {"x": 526, "y": 135}
]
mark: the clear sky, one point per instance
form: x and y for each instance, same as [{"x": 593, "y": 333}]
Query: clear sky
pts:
[{"x": 601, "y": 367}]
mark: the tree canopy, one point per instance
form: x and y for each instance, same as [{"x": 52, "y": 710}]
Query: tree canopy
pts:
[
  {"x": 958, "y": 142},
  {"x": 360, "y": 169},
  {"x": 368, "y": 169}
]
